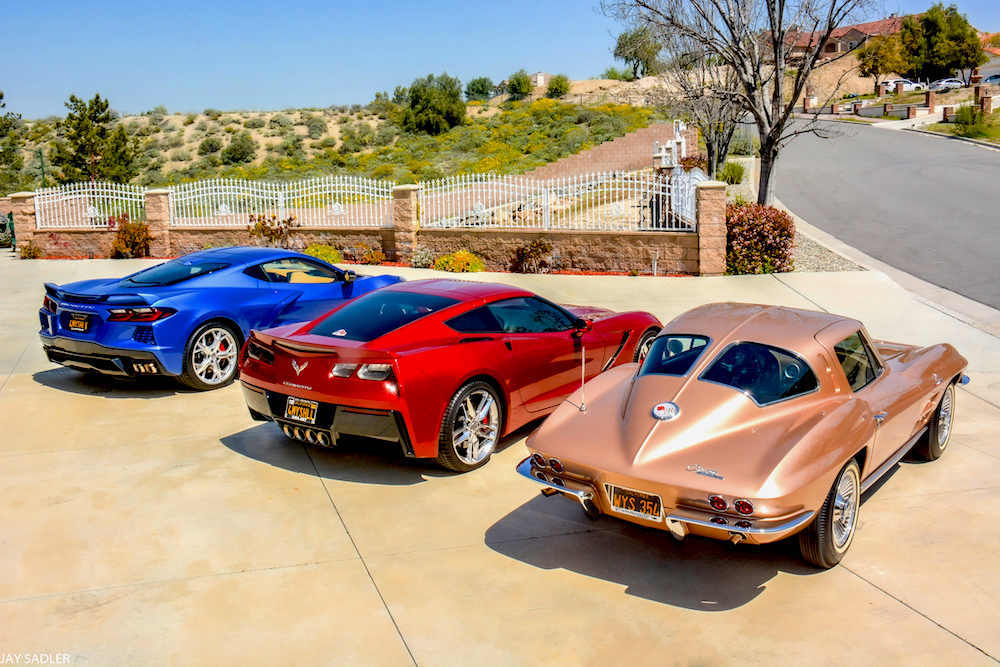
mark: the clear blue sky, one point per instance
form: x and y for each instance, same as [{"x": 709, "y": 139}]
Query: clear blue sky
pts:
[{"x": 260, "y": 55}]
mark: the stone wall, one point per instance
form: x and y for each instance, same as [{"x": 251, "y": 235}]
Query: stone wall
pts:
[{"x": 579, "y": 250}]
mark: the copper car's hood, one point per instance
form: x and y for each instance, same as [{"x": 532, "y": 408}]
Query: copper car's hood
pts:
[{"x": 717, "y": 429}]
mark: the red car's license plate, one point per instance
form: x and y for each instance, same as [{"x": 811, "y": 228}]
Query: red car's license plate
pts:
[
  {"x": 79, "y": 322},
  {"x": 301, "y": 410},
  {"x": 635, "y": 503}
]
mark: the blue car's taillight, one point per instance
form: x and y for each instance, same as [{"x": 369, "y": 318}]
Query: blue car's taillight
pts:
[{"x": 139, "y": 314}]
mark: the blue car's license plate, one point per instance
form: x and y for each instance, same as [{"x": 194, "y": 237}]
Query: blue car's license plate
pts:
[{"x": 79, "y": 322}]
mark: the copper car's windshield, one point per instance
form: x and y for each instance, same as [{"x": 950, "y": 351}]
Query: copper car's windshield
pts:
[
  {"x": 673, "y": 354},
  {"x": 766, "y": 374}
]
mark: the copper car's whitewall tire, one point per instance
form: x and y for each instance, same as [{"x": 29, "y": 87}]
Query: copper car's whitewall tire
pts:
[
  {"x": 825, "y": 541},
  {"x": 932, "y": 445}
]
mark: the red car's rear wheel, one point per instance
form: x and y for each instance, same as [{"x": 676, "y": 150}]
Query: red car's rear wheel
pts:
[{"x": 471, "y": 428}]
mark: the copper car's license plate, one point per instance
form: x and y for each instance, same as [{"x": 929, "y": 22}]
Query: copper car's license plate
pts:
[
  {"x": 301, "y": 410},
  {"x": 635, "y": 503},
  {"x": 79, "y": 322}
]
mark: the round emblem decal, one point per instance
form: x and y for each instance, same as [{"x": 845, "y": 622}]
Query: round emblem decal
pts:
[{"x": 666, "y": 411}]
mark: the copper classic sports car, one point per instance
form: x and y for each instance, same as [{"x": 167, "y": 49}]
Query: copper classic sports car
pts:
[{"x": 749, "y": 423}]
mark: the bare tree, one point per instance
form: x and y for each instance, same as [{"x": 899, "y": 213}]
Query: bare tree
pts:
[
  {"x": 772, "y": 46},
  {"x": 696, "y": 86}
]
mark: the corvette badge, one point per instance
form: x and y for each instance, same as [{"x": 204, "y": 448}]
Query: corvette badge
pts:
[
  {"x": 666, "y": 411},
  {"x": 298, "y": 369},
  {"x": 339, "y": 332}
]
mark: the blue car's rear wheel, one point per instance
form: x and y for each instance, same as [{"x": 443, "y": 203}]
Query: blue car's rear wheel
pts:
[{"x": 211, "y": 357}]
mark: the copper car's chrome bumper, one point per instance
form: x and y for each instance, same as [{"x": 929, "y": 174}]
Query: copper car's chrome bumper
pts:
[{"x": 680, "y": 520}]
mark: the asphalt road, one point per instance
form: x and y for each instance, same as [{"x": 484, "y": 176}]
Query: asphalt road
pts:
[{"x": 923, "y": 204}]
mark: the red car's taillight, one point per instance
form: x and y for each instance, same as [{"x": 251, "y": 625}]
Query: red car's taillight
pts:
[
  {"x": 258, "y": 351},
  {"x": 139, "y": 314}
]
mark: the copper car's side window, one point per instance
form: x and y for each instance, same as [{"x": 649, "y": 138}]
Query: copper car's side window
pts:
[{"x": 857, "y": 361}]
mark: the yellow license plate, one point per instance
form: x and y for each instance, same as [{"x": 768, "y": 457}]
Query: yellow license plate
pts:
[
  {"x": 79, "y": 322},
  {"x": 635, "y": 503},
  {"x": 301, "y": 410}
]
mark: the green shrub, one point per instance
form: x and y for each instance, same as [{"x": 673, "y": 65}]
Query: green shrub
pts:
[
  {"x": 213, "y": 113},
  {"x": 694, "y": 162},
  {"x": 181, "y": 156},
  {"x": 209, "y": 145},
  {"x": 327, "y": 253},
  {"x": 970, "y": 122},
  {"x": 190, "y": 119},
  {"x": 316, "y": 127},
  {"x": 32, "y": 250},
  {"x": 241, "y": 149},
  {"x": 279, "y": 120},
  {"x": 254, "y": 123},
  {"x": 732, "y": 173},
  {"x": 479, "y": 88},
  {"x": 759, "y": 239},
  {"x": 531, "y": 258},
  {"x": 616, "y": 74},
  {"x": 749, "y": 146},
  {"x": 368, "y": 255},
  {"x": 558, "y": 86},
  {"x": 131, "y": 238},
  {"x": 462, "y": 261},
  {"x": 422, "y": 258},
  {"x": 519, "y": 85}
]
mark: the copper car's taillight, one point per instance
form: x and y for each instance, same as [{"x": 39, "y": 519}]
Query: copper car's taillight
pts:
[
  {"x": 743, "y": 506},
  {"x": 538, "y": 460},
  {"x": 718, "y": 503},
  {"x": 556, "y": 465}
]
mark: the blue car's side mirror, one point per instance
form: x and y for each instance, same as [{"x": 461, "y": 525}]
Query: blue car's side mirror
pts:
[{"x": 350, "y": 277}]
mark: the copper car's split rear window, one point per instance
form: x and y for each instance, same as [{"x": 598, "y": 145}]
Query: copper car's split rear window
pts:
[
  {"x": 766, "y": 374},
  {"x": 673, "y": 354}
]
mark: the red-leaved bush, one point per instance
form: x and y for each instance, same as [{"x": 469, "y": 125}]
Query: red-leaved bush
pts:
[{"x": 759, "y": 239}]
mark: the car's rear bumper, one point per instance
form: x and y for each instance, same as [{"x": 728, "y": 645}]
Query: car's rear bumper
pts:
[
  {"x": 90, "y": 356},
  {"x": 678, "y": 520},
  {"x": 331, "y": 421}
]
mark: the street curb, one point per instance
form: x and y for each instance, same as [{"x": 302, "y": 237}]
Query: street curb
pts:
[{"x": 967, "y": 140}]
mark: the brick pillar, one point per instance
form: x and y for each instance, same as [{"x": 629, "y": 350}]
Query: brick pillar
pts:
[
  {"x": 929, "y": 100},
  {"x": 899, "y": 88},
  {"x": 881, "y": 90},
  {"x": 980, "y": 92},
  {"x": 947, "y": 113},
  {"x": 976, "y": 77},
  {"x": 857, "y": 107},
  {"x": 987, "y": 104},
  {"x": 710, "y": 213},
  {"x": 158, "y": 219},
  {"x": 886, "y": 108},
  {"x": 805, "y": 104},
  {"x": 406, "y": 220},
  {"x": 835, "y": 108},
  {"x": 23, "y": 208},
  {"x": 911, "y": 111}
]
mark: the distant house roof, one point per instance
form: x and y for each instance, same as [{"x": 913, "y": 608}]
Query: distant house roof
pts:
[
  {"x": 888, "y": 26},
  {"x": 986, "y": 37}
]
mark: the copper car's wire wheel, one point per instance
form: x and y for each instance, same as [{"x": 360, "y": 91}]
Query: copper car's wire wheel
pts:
[
  {"x": 944, "y": 419},
  {"x": 213, "y": 358},
  {"x": 845, "y": 508},
  {"x": 476, "y": 427}
]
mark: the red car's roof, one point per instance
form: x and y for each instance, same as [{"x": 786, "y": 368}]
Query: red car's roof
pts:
[{"x": 463, "y": 290}]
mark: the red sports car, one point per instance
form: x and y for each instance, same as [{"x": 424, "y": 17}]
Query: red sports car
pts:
[{"x": 444, "y": 367}]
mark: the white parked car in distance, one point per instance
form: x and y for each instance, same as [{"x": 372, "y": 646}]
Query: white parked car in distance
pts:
[
  {"x": 890, "y": 85},
  {"x": 992, "y": 80},
  {"x": 947, "y": 84}
]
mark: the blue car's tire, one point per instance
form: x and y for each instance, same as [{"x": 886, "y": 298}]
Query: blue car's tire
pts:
[{"x": 211, "y": 357}]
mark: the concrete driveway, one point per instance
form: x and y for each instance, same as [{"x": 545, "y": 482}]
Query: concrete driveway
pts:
[{"x": 145, "y": 524}]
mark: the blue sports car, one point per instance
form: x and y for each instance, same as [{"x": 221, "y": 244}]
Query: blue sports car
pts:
[{"x": 188, "y": 317}]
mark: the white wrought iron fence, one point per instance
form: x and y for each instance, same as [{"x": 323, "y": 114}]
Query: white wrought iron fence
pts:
[
  {"x": 336, "y": 201},
  {"x": 609, "y": 201},
  {"x": 84, "y": 205}
]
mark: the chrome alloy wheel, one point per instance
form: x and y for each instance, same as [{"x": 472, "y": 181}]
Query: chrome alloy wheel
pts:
[
  {"x": 476, "y": 427},
  {"x": 944, "y": 420},
  {"x": 644, "y": 348},
  {"x": 214, "y": 356},
  {"x": 845, "y": 508}
]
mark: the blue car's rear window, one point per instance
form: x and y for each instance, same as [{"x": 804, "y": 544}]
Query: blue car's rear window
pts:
[
  {"x": 379, "y": 312},
  {"x": 173, "y": 272}
]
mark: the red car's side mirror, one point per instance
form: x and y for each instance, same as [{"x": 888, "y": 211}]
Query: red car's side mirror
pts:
[{"x": 581, "y": 326}]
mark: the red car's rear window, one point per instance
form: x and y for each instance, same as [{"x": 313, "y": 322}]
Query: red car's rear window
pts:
[{"x": 377, "y": 313}]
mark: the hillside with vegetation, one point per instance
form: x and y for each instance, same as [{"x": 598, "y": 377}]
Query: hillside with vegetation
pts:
[{"x": 363, "y": 140}]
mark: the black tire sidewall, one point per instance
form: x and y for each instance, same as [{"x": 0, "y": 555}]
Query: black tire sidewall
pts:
[
  {"x": 188, "y": 376},
  {"x": 447, "y": 456},
  {"x": 646, "y": 335}
]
